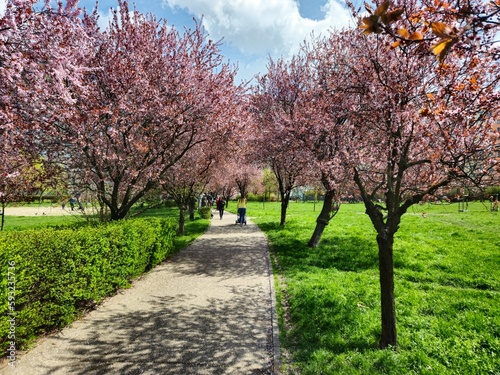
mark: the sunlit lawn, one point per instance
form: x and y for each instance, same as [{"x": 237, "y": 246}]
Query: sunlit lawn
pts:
[{"x": 447, "y": 290}]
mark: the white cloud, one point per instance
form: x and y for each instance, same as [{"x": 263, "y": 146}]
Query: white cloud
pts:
[
  {"x": 3, "y": 6},
  {"x": 105, "y": 19},
  {"x": 261, "y": 27}
]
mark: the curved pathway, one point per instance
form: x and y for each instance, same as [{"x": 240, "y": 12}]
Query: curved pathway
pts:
[{"x": 208, "y": 310}]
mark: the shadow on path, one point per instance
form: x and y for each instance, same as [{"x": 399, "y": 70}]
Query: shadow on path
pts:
[{"x": 208, "y": 310}]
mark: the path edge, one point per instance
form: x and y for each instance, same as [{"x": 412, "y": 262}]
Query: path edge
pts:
[{"x": 275, "y": 334}]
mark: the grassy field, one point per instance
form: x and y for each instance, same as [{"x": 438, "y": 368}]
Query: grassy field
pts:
[
  {"x": 447, "y": 276},
  {"x": 33, "y": 222}
]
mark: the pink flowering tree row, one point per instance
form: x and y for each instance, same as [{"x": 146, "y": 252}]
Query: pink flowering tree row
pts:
[
  {"x": 37, "y": 65},
  {"x": 395, "y": 122},
  {"x": 118, "y": 108},
  {"x": 276, "y": 111}
]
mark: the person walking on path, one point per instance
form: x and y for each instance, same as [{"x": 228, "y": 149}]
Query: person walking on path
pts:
[
  {"x": 220, "y": 206},
  {"x": 242, "y": 210}
]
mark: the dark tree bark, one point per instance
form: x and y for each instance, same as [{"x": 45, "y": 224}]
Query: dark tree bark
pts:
[
  {"x": 386, "y": 227},
  {"x": 385, "y": 242},
  {"x": 192, "y": 208},
  {"x": 286, "y": 182},
  {"x": 120, "y": 208},
  {"x": 242, "y": 185},
  {"x": 180, "y": 230},
  {"x": 285, "y": 200},
  {"x": 3, "y": 216},
  {"x": 102, "y": 215},
  {"x": 118, "y": 213},
  {"x": 328, "y": 211}
]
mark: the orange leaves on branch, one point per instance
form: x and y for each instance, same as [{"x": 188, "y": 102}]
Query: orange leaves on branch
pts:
[
  {"x": 442, "y": 47},
  {"x": 452, "y": 22},
  {"x": 474, "y": 85},
  {"x": 448, "y": 39},
  {"x": 393, "y": 15},
  {"x": 372, "y": 24},
  {"x": 417, "y": 35},
  {"x": 442, "y": 30},
  {"x": 382, "y": 9},
  {"x": 425, "y": 112},
  {"x": 405, "y": 34}
]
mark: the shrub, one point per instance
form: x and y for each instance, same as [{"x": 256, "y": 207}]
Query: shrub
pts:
[
  {"x": 205, "y": 212},
  {"x": 59, "y": 272},
  {"x": 492, "y": 191}
]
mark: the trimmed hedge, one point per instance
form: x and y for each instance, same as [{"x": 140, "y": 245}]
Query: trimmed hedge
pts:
[
  {"x": 60, "y": 272},
  {"x": 205, "y": 212}
]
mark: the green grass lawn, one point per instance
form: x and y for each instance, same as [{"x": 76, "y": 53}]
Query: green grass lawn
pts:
[
  {"x": 447, "y": 286},
  {"x": 33, "y": 222}
]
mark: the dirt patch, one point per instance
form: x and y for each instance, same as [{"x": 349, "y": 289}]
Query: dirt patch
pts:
[{"x": 40, "y": 211}]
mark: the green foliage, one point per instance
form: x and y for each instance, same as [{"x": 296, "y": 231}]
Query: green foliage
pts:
[
  {"x": 59, "y": 272},
  {"x": 447, "y": 280},
  {"x": 492, "y": 191},
  {"x": 255, "y": 197},
  {"x": 205, "y": 212},
  {"x": 271, "y": 197},
  {"x": 193, "y": 228}
]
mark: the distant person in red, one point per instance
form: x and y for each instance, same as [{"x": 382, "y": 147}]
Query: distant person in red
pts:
[{"x": 220, "y": 206}]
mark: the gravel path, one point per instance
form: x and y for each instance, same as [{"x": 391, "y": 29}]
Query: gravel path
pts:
[{"x": 208, "y": 310}]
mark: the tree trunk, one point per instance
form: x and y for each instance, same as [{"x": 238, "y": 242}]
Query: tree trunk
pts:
[
  {"x": 180, "y": 231},
  {"x": 192, "y": 208},
  {"x": 385, "y": 242},
  {"x": 103, "y": 212},
  {"x": 120, "y": 208},
  {"x": 323, "y": 219},
  {"x": 118, "y": 213},
  {"x": 3, "y": 217},
  {"x": 285, "y": 199}
]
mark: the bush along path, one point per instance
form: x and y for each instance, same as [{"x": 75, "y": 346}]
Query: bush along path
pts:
[
  {"x": 52, "y": 275},
  {"x": 207, "y": 310}
]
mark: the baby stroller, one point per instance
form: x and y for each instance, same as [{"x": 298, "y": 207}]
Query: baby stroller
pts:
[{"x": 238, "y": 219}]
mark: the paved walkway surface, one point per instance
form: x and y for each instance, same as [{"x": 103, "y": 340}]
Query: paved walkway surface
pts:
[{"x": 208, "y": 310}]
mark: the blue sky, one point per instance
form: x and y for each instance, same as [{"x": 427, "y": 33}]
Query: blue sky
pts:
[{"x": 251, "y": 30}]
